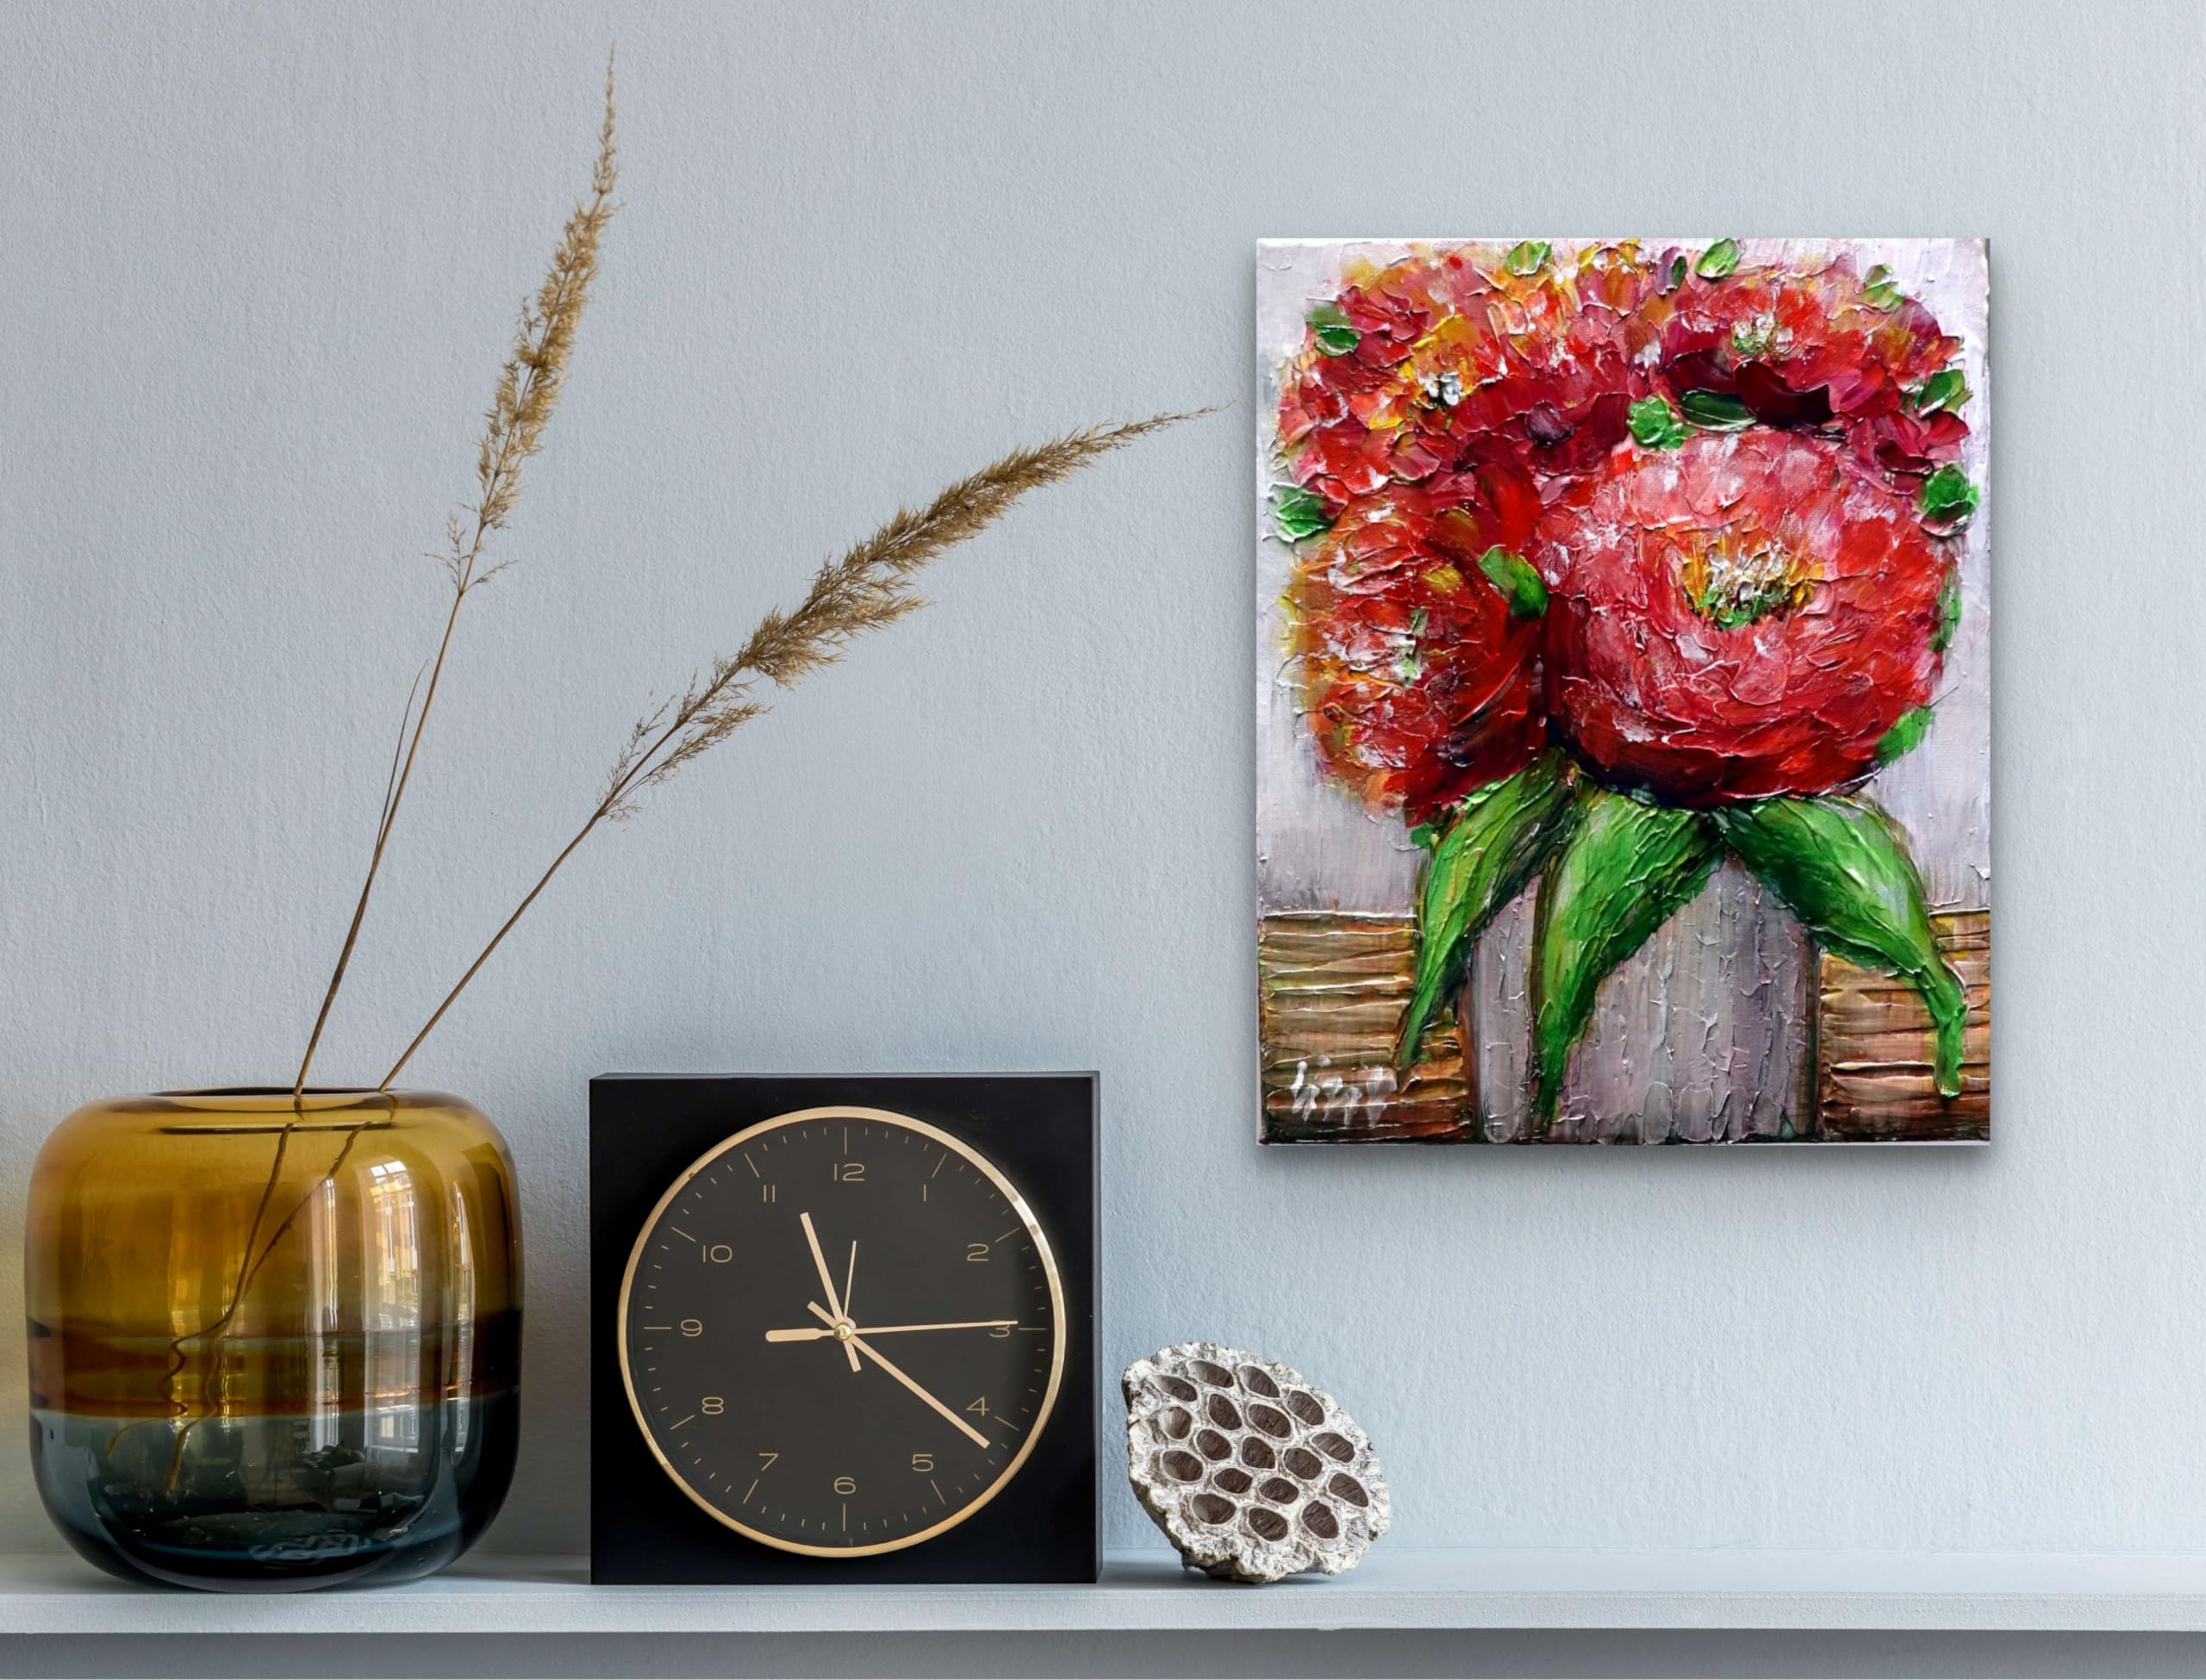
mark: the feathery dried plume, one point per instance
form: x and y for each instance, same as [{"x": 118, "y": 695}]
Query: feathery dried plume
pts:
[
  {"x": 527, "y": 391},
  {"x": 529, "y": 383},
  {"x": 864, "y": 589}
]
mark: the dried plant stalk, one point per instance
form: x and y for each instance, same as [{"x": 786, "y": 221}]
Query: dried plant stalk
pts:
[
  {"x": 527, "y": 391},
  {"x": 864, "y": 589}
]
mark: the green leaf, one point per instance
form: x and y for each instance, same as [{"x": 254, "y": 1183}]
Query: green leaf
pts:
[
  {"x": 1299, "y": 514},
  {"x": 1876, "y": 289},
  {"x": 1626, "y": 870},
  {"x": 1492, "y": 843},
  {"x": 1948, "y": 500},
  {"x": 1947, "y": 390},
  {"x": 1949, "y": 613},
  {"x": 1677, "y": 272},
  {"x": 1905, "y": 736},
  {"x": 1713, "y": 411},
  {"x": 1513, "y": 575},
  {"x": 1525, "y": 259},
  {"x": 1655, "y": 424},
  {"x": 1718, "y": 260},
  {"x": 1330, "y": 328},
  {"x": 1842, "y": 867}
]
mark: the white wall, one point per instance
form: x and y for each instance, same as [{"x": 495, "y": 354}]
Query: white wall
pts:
[{"x": 258, "y": 264}]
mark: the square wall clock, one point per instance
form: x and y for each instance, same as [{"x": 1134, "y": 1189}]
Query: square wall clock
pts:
[
  {"x": 1623, "y": 691},
  {"x": 842, "y": 1328}
]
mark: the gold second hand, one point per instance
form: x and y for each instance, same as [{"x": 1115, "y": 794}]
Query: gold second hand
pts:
[
  {"x": 807, "y": 1333},
  {"x": 952, "y": 1417}
]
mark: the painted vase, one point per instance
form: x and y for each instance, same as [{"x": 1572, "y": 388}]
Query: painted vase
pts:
[{"x": 275, "y": 1343}]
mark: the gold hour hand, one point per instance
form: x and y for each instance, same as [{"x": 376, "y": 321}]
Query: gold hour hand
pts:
[{"x": 858, "y": 1342}]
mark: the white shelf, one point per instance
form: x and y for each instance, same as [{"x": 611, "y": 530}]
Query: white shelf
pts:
[{"x": 1146, "y": 1592}]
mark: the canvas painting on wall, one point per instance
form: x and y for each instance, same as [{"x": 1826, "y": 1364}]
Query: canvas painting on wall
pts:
[{"x": 1623, "y": 688}]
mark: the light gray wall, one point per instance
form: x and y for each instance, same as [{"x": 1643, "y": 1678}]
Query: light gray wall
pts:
[{"x": 259, "y": 264}]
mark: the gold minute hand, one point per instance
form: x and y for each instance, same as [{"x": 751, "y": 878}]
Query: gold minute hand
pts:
[
  {"x": 808, "y": 1333},
  {"x": 826, "y": 1281},
  {"x": 858, "y": 1342}
]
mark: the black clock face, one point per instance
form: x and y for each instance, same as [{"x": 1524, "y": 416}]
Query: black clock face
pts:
[{"x": 842, "y": 1331}]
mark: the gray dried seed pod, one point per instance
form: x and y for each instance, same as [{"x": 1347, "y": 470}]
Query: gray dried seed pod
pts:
[{"x": 1254, "y": 1473}]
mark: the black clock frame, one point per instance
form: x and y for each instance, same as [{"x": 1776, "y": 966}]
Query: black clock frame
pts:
[{"x": 1040, "y": 1129}]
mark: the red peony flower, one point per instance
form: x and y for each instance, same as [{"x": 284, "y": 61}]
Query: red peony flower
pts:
[
  {"x": 1821, "y": 348},
  {"x": 1419, "y": 680},
  {"x": 1745, "y": 616},
  {"x": 1442, "y": 364}
]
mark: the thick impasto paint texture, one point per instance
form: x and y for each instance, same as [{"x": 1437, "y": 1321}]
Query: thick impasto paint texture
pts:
[{"x": 1622, "y": 691}]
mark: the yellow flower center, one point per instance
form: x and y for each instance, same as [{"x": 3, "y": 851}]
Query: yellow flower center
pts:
[{"x": 1732, "y": 581}]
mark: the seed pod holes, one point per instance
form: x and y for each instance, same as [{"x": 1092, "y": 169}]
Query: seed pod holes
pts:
[{"x": 1251, "y": 1471}]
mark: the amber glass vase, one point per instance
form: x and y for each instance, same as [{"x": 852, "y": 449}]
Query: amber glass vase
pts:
[{"x": 274, "y": 1344}]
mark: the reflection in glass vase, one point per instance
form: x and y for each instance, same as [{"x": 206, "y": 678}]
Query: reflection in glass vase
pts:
[{"x": 273, "y": 1346}]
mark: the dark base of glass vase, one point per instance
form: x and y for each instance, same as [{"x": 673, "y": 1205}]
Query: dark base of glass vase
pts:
[{"x": 257, "y": 1506}]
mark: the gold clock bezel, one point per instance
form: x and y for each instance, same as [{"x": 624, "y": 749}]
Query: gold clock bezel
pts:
[{"x": 887, "y": 1116}]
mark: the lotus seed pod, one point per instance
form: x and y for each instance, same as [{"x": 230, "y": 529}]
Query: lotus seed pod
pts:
[{"x": 1252, "y": 1473}]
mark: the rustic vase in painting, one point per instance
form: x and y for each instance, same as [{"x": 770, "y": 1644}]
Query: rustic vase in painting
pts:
[{"x": 274, "y": 1340}]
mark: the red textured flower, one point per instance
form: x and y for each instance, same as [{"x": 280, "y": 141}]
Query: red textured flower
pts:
[
  {"x": 1449, "y": 361},
  {"x": 1419, "y": 682},
  {"x": 1742, "y": 617},
  {"x": 1909, "y": 446},
  {"x": 1814, "y": 347}
]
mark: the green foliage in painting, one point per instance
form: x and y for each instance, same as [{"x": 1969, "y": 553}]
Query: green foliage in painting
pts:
[
  {"x": 1331, "y": 330},
  {"x": 1527, "y": 258},
  {"x": 1718, "y": 260},
  {"x": 1842, "y": 867},
  {"x": 1906, "y": 735},
  {"x": 1485, "y": 850},
  {"x": 1944, "y": 391},
  {"x": 1949, "y": 614},
  {"x": 1715, "y": 411},
  {"x": 1655, "y": 424},
  {"x": 1513, "y": 575},
  {"x": 1627, "y": 868},
  {"x": 1948, "y": 500},
  {"x": 1877, "y": 287},
  {"x": 1297, "y": 514}
]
